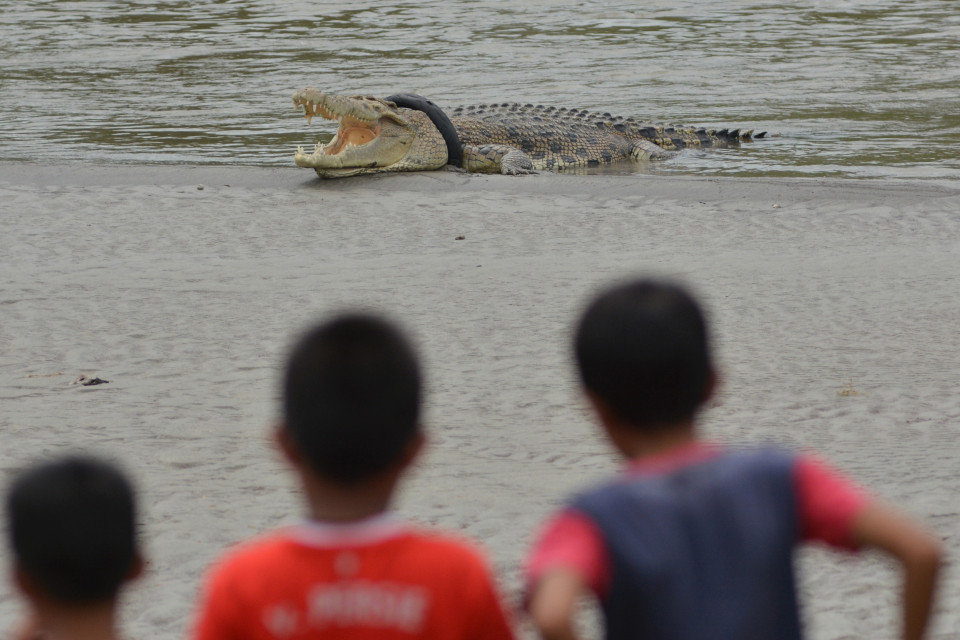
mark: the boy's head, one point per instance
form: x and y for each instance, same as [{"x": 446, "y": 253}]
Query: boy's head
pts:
[
  {"x": 351, "y": 397},
  {"x": 72, "y": 528},
  {"x": 642, "y": 349}
]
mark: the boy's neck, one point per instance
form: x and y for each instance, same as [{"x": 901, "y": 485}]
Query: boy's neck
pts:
[
  {"x": 86, "y": 622},
  {"x": 636, "y": 445},
  {"x": 330, "y": 502}
]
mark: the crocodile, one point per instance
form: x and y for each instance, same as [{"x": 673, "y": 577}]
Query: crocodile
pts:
[{"x": 406, "y": 132}]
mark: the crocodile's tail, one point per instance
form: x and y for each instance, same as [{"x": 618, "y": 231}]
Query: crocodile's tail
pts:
[
  {"x": 674, "y": 136},
  {"x": 680, "y": 137},
  {"x": 736, "y": 135}
]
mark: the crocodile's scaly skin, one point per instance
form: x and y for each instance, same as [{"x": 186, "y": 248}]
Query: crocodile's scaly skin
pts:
[{"x": 502, "y": 138}]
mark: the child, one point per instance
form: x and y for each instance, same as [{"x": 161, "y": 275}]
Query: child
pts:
[
  {"x": 73, "y": 534},
  {"x": 351, "y": 403},
  {"x": 694, "y": 541}
]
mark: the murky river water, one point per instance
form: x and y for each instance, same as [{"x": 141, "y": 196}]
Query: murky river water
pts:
[{"x": 854, "y": 88}]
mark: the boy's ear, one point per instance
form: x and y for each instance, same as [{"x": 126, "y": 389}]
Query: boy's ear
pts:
[
  {"x": 713, "y": 383},
  {"x": 601, "y": 408},
  {"x": 286, "y": 445},
  {"x": 25, "y": 583},
  {"x": 137, "y": 567},
  {"x": 413, "y": 449}
]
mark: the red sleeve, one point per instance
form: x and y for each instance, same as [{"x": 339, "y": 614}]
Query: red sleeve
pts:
[
  {"x": 828, "y": 503},
  {"x": 572, "y": 541}
]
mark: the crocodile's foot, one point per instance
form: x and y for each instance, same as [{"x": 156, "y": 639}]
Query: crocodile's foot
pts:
[
  {"x": 516, "y": 163},
  {"x": 646, "y": 150},
  {"x": 497, "y": 158}
]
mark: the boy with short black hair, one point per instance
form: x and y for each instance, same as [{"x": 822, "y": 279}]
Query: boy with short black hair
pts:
[
  {"x": 72, "y": 529},
  {"x": 351, "y": 403},
  {"x": 694, "y": 541}
]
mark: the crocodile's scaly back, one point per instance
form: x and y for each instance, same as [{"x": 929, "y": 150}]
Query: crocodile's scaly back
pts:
[
  {"x": 551, "y": 142},
  {"x": 558, "y": 137}
]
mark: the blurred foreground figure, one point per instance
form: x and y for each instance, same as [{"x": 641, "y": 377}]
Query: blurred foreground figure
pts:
[
  {"x": 694, "y": 540},
  {"x": 72, "y": 529},
  {"x": 352, "y": 570}
]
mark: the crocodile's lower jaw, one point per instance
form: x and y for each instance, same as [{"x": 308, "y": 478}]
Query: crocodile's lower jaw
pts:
[
  {"x": 325, "y": 163},
  {"x": 340, "y": 173},
  {"x": 359, "y": 147},
  {"x": 350, "y": 134}
]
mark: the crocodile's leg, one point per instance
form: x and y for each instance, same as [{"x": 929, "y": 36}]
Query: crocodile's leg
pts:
[
  {"x": 646, "y": 150},
  {"x": 496, "y": 158}
]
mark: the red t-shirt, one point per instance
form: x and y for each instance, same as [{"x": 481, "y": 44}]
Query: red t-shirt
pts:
[
  {"x": 376, "y": 579},
  {"x": 827, "y": 503}
]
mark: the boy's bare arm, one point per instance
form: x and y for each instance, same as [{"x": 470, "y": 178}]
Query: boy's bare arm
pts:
[
  {"x": 553, "y": 603},
  {"x": 919, "y": 553}
]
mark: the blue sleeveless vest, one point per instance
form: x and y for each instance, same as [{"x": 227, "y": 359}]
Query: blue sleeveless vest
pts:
[{"x": 702, "y": 553}]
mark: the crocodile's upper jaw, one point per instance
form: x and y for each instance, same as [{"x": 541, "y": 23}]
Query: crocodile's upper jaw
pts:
[{"x": 373, "y": 135}]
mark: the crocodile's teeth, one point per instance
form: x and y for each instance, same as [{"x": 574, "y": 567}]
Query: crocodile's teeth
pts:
[{"x": 327, "y": 113}]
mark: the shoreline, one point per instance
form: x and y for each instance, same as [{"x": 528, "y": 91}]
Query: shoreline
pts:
[{"x": 17, "y": 172}]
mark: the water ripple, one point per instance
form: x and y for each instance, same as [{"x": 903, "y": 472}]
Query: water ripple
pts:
[{"x": 855, "y": 88}]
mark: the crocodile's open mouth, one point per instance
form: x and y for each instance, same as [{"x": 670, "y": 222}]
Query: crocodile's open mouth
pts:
[
  {"x": 371, "y": 134},
  {"x": 352, "y": 132}
]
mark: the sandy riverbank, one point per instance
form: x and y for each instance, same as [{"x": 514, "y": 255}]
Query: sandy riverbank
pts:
[{"x": 186, "y": 299}]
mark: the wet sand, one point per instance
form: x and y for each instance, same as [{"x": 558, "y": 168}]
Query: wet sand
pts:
[{"x": 835, "y": 307}]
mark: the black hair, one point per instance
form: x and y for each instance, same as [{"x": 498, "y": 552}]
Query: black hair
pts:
[
  {"x": 642, "y": 348},
  {"x": 72, "y": 528},
  {"x": 351, "y": 397}
]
